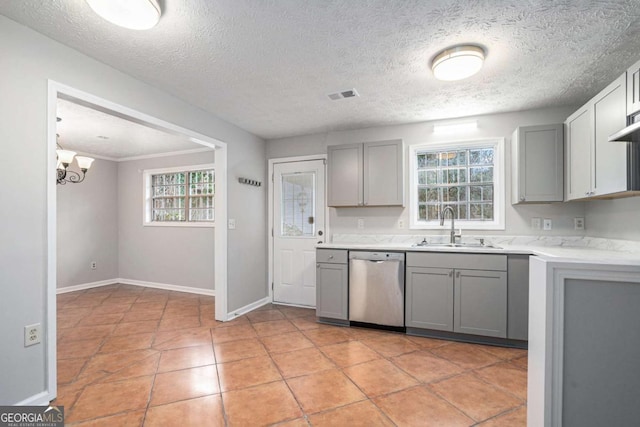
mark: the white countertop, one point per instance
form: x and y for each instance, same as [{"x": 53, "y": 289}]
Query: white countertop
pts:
[{"x": 576, "y": 254}]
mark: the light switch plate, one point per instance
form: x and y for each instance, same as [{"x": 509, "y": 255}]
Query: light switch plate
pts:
[
  {"x": 546, "y": 224},
  {"x": 232, "y": 224},
  {"x": 578, "y": 223},
  {"x": 360, "y": 223},
  {"x": 535, "y": 223}
]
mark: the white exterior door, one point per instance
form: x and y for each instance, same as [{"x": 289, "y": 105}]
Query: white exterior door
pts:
[{"x": 298, "y": 225}]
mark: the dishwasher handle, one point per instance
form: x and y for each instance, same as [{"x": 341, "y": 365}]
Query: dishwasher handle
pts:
[{"x": 376, "y": 256}]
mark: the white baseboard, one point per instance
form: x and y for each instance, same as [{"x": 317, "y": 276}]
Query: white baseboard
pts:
[
  {"x": 40, "y": 399},
  {"x": 249, "y": 307},
  {"x": 84, "y": 286},
  {"x": 168, "y": 287},
  {"x": 155, "y": 285}
]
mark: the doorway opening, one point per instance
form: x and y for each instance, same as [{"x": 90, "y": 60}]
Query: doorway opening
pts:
[{"x": 58, "y": 92}]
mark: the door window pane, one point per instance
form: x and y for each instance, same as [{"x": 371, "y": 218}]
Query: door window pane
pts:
[{"x": 298, "y": 210}]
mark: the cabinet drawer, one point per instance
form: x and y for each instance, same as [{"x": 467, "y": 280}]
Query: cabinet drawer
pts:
[
  {"x": 332, "y": 256},
  {"x": 457, "y": 260}
]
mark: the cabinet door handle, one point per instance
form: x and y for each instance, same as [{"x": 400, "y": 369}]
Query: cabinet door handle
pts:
[
  {"x": 450, "y": 273},
  {"x": 317, "y": 265},
  {"x": 330, "y": 256},
  {"x": 522, "y": 199},
  {"x": 457, "y": 274}
]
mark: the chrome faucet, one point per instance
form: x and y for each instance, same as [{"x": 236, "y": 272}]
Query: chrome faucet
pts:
[{"x": 452, "y": 214}]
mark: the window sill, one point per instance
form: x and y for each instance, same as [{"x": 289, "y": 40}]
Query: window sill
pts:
[{"x": 180, "y": 224}]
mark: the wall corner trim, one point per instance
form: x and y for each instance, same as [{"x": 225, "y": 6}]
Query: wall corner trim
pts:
[
  {"x": 249, "y": 307},
  {"x": 41, "y": 399}
]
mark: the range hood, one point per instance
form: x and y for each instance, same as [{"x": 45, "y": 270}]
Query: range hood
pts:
[{"x": 629, "y": 134}]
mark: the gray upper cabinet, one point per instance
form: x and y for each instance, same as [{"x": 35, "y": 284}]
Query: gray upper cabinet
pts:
[
  {"x": 595, "y": 166},
  {"x": 537, "y": 154},
  {"x": 366, "y": 174},
  {"x": 345, "y": 175},
  {"x": 383, "y": 173},
  {"x": 578, "y": 154},
  {"x": 633, "y": 89},
  {"x": 610, "y": 158}
]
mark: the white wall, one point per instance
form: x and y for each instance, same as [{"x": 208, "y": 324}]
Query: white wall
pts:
[
  {"x": 27, "y": 61},
  {"x": 384, "y": 220},
  {"x": 87, "y": 215},
  {"x": 614, "y": 219},
  {"x": 180, "y": 256}
]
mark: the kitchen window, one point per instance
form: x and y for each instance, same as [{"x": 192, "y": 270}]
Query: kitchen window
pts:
[
  {"x": 181, "y": 196},
  {"x": 468, "y": 176}
]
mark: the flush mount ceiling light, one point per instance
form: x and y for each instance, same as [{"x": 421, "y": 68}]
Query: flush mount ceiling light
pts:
[
  {"x": 132, "y": 14},
  {"x": 458, "y": 62}
]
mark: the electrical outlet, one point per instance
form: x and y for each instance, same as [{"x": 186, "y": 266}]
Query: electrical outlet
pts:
[
  {"x": 232, "y": 224},
  {"x": 93, "y": 265},
  {"x": 32, "y": 334},
  {"x": 360, "y": 223},
  {"x": 546, "y": 224},
  {"x": 578, "y": 223},
  {"x": 400, "y": 223},
  {"x": 535, "y": 223}
]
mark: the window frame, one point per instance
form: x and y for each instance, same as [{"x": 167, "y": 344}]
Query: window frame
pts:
[
  {"x": 147, "y": 198},
  {"x": 499, "y": 184}
]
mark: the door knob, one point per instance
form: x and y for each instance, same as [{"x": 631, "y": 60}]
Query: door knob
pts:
[{"x": 320, "y": 233}]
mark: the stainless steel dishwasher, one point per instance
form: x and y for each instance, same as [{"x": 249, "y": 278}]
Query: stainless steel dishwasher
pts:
[{"x": 376, "y": 288}]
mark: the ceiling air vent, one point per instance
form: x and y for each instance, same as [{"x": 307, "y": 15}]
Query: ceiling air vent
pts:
[{"x": 343, "y": 94}]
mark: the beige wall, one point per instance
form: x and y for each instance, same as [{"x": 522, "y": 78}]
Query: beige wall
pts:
[
  {"x": 616, "y": 219},
  {"x": 180, "y": 256},
  {"x": 384, "y": 220},
  {"x": 87, "y": 216}
]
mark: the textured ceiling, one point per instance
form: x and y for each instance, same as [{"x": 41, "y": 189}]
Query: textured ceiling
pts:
[
  {"x": 81, "y": 128},
  {"x": 268, "y": 65}
]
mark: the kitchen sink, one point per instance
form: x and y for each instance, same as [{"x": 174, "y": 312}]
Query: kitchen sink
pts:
[{"x": 424, "y": 244}]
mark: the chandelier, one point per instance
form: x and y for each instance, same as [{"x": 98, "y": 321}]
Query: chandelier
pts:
[{"x": 65, "y": 158}]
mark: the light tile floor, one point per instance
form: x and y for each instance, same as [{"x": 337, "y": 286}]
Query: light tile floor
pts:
[{"x": 131, "y": 356}]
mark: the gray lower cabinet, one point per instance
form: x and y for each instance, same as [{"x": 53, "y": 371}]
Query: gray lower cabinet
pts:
[
  {"x": 480, "y": 306},
  {"x": 332, "y": 284},
  {"x": 429, "y": 298},
  {"x": 518, "y": 297},
  {"x": 442, "y": 296}
]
